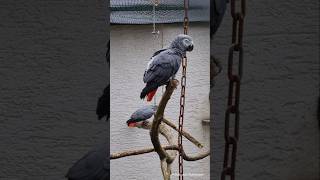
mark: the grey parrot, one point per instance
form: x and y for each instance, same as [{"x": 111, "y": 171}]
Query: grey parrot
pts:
[
  {"x": 94, "y": 165},
  {"x": 141, "y": 114},
  {"x": 164, "y": 64}
]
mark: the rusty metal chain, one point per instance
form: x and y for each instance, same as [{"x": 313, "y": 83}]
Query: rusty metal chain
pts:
[
  {"x": 231, "y": 140},
  {"x": 186, "y": 18},
  {"x": 183, "y": 90}
]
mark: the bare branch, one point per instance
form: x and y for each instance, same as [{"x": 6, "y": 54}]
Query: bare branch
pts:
[
  {"x": 166, "y": 169},
  {"x": 151, "y": 149},
  {"x": 147, "y": 125},
  {"x": 195, "y": 157},
  {"x": 184, "y": 133},
  {"x": 166, "y": 158},
  {"x": 163, "y": 131},
  {"x": 158, "y": 117},
  {"x": 139, "y": 152}
]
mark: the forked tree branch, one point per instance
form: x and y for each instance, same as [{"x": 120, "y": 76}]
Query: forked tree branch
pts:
[
  {"x": 151, "y": 149},
  {"x": 138, "y": 152},
  {"x": 158, "y": 117},
  {"x": 147, "y": 125},
  {"x": 156, "y": 127},
  {"x": 184, "y": 133}
]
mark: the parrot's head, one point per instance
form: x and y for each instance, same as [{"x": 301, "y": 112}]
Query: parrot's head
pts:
[{"x": 182, "y": 42}]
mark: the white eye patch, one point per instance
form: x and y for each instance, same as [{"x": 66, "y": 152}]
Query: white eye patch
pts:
[{"x": 186, "y": 42}]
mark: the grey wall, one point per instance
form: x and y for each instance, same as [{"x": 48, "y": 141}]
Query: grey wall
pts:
[
  {"x": 52, "y": 70},
  {"x": 279, "y": 132}
]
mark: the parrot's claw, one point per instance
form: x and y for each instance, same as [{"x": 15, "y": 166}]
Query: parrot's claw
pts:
[
  {"x": 174, "y": 83},
  {"x": 145, "y": 123},
  {"x": 142, "y": 124}
]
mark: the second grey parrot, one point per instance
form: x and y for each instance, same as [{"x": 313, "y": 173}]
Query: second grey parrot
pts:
[
  {"x": 164, "y": 64},
  {"x": 141, "y": 114}
]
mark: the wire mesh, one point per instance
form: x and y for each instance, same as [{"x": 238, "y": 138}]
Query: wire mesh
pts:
[{"x": 168, "y": 11}]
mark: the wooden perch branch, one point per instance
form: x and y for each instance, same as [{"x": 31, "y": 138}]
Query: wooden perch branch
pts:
[
  {"x": 195, "y": 157},
  {"x": 147, "y": 125},
  {"x": 151, "y": 149},
  {"x": 158, "y": 117},
  {"x": 184, "y": 133},
  {"x": 167, "y": 153},
  {"x": 165, "y": 159},
  {"x": 138, "y": 152}
]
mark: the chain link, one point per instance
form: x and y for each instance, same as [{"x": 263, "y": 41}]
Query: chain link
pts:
[
  {"x": 183, "y": 90},
  {"x": 231, "y": 140}
]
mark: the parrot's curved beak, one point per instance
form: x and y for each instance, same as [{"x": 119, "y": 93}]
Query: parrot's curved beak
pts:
[{"x": 190, "y": 48}]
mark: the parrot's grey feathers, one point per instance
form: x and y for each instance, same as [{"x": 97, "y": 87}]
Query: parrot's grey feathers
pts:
[
  {"x": 157, "y": 52},
  {"x": 182, "y": 43},
  {"x": 162, "y": 67},
  {"x": 145, "y": 112},
  {"x": 165, "y": 63}
]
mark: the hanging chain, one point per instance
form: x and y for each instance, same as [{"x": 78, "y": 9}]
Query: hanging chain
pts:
[
  {"x": 186, "y": 18},
  {"x": 155, "y": 34},
  {"x": 155, "y": 4},
  {"x": 231, "y": 140},
  {"x": 183, "y": 90},
  {"x": 162, "y": 87}
]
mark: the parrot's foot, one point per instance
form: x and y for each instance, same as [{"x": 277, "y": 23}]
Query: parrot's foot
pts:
[
  {"x": 145, "y": 123},
  {"x": 174, "y": 83}
]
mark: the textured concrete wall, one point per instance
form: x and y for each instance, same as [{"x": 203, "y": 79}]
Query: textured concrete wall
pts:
[
  {"x": 279, "y": 132},
  {"x": 52, "y": 70}
]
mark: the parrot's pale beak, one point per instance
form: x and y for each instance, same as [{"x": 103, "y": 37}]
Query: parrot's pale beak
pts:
[{"x": 190, "y": 48}]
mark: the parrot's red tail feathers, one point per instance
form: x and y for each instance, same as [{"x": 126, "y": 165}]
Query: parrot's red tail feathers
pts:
[
  {"x": 132, "y": 124},
  {"x": 151, "y": 94}
]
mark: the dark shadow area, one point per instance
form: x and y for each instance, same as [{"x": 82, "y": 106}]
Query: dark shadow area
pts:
[
  {"x": 279, "y": 131},
  {"x": 53, "y": 70}
]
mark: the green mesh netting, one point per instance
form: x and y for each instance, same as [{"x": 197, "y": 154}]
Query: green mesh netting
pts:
[{"x": 168, "y": 11}]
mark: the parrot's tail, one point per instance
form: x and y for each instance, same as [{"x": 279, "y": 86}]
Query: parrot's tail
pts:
[
  {"x": 151, "y": 94},
  {"x": 149, "y": 91},
  {"x": 131, "y": 123}
]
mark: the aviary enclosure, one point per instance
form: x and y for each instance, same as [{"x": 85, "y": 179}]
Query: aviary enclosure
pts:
[{"x": 150, "y": 149}]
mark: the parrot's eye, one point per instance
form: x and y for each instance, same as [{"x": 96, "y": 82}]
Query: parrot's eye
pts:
[{"x": 187, "y": 42}]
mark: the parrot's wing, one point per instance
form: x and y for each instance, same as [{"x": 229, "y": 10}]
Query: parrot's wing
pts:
[
  {"x": 158, "y": 52},
  {"x": 143, "y": 113},
  {"x": 162, "y": 67},
  {"x": 148, "y": 112}
]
